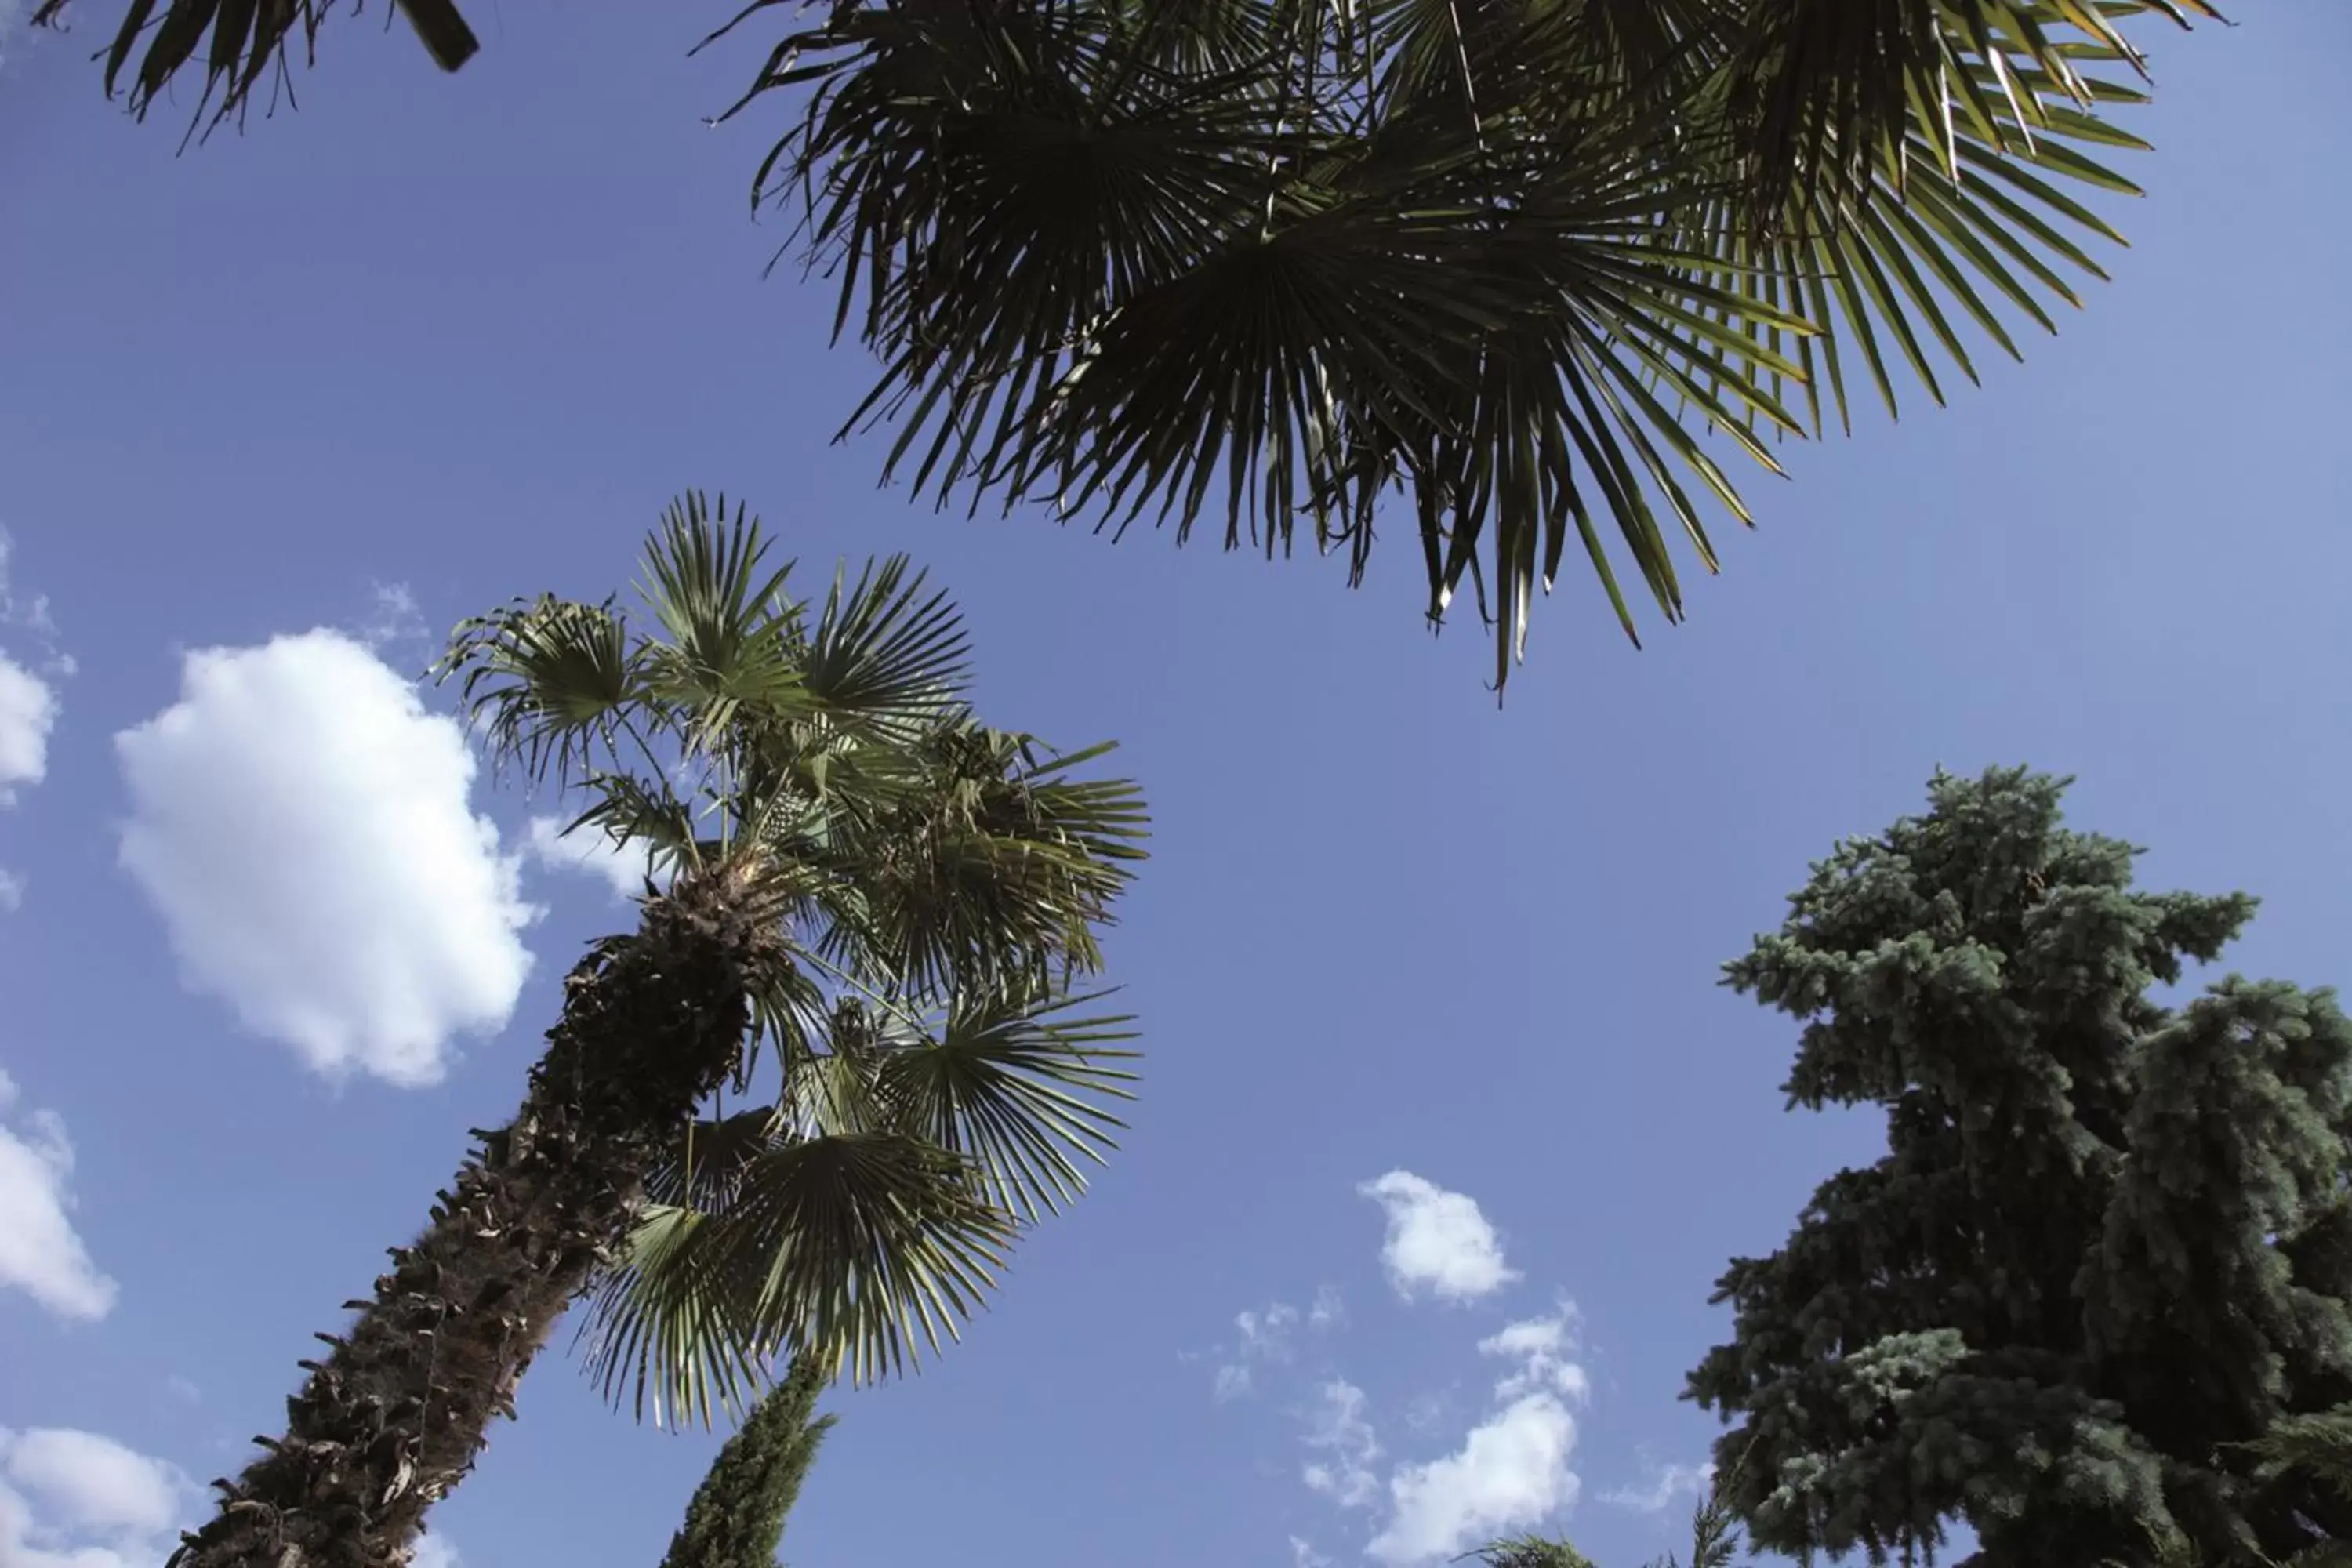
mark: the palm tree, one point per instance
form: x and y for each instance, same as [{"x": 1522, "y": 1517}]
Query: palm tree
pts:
[
  {"x": 1536, "y": 265},
  {"x": 810, "y": 782}
]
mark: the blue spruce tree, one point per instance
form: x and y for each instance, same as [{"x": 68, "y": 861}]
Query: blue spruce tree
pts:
[{"x": 2108, "y": 1251}]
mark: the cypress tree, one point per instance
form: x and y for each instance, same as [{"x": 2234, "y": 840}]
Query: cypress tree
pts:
[
  {"x": 737, "y": 1517},
  {"x": 2108, "y": 1251}
]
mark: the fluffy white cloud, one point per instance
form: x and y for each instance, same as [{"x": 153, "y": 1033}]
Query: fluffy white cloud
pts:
[
  {"x": 75, "y": 1500},
  {"x": 40, "y": 1254},
  {"x": 1340, "y": 1431},
  {"x": 303, "y": 826},
  {"x": 434, "y": 1552},
  {"x": 29, "y": 711},
  {"x": 624, "y": 868},
  {"x": 1511, "y": 1472},
  {"x": 1437, "y": 1240}
]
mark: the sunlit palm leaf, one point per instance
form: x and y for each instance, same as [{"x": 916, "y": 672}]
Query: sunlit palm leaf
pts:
[
  {"x": 1016, "y": 1087},
  {"x": 884, "y": 649},
  {"x": 863, "y": 1247},
  {"x": 1004, "y": 856},
  {"x": 728, "y": 649},
  {"x": 548, "y": 682},
  {"x": 1824, "y": 88}
]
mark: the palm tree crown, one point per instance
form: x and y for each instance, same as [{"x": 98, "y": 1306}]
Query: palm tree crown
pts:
[{"x": 939, "y": 885}]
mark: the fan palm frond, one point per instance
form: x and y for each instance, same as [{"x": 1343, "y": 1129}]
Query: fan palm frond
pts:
[
  {"x": 864, "y": 1248},
  {"x": 1531, "y": 268},
  {"x": 248, "y": 37}
]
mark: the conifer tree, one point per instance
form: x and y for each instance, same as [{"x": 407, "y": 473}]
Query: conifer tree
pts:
[
  {"x": 2109, "y": 1246},
  {"x": 737, "y": 1517}
]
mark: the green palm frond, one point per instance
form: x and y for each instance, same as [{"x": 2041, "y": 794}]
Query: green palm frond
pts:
[
  {"x": 886, "y": 650},
  {"x": 1529, "y": 269},
  {"x": 1015, "y": 1085},
  {"x": 1007, "y": 1093},
  {"x": 248, "y": 38},
  {"x": 1825, "y": 91},
  {"x": 860, "y": 1248},
  {"x": 727, "y": 652},
  {"x": 1528, "y": 1552},
  {"x": 548, "y": 683},
  {"x": 995, "y": 874}
]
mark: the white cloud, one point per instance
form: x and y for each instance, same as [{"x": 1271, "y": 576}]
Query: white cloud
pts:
[
  {"x": 75, "y": 1500},
  {"x": 1668, "y": 1482},
  {"x": 12, "y": 22},
  {"x": 1540, "y": 1346},
  {"x": 624, "y": 866},
  {"x": 29, "y": 711},
  {"x": 1511, "y": 1472},
  {"x": 1340, "y": 1431},
  {"x": 184, "y": 1390},
  {"x": 303, "y": 826},
  {"x": 1304, "y": 1555},
  {"x": 12, "y": 892},
  {"x": 393, "y": 617},
  {"x": 434, "y": 1552},
  {"x": 1437, "y": 1240},
  {"x": 40, "y": 1253}
]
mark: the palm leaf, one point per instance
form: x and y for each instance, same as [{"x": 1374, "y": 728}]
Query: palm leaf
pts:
[
  {"x": 249, "y": 36},
  {"x": 860, "y": 1247},
  {"x": 548, "y": 682},
  {"x": 1014, "y": 1086},
  {"x": 1535, "y": 265},
  {"x": 884, "y": 649}
]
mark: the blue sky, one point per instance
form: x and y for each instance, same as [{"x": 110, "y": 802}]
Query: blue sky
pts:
[{"x": 1435, "y": 1049}]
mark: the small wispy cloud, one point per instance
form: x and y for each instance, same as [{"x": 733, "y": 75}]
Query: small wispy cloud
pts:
[
  {"x": 394, "y": 624},
  {"x": 1264, "y": 1335},
  {"x": 1667, "y": 1483},
  {"x": 1341, "y": 1435}
]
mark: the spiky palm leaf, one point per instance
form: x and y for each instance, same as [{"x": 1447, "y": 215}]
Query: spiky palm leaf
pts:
[
  {"x": 825, "y": 755},
  {"x": 1535, "y": 263},
  {"x": 959, "y": 1129},
  {"x": 248, "y": 37}
]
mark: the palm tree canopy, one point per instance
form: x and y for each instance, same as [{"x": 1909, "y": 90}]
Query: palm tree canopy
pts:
[
  {"x": 822, "y": 759},
  {"x": 1535, "y": 264}
]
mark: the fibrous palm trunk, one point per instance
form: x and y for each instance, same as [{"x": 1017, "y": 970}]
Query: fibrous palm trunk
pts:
[{"x": 392, "y": 1419}]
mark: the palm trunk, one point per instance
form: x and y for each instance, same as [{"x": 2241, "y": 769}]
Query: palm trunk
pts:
[
  {"x": 390, "y": 1422},
  {"x": 737, "y": 1517}
]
